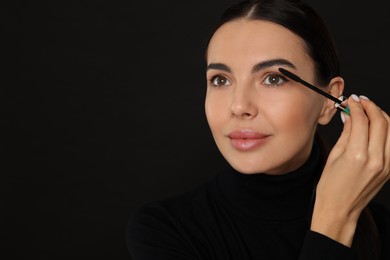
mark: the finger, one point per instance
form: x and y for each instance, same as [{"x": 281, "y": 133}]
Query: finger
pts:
[
  {"x": 358, "y": 140},
  {"x": 378, "y": 147},
  {"x": 387, "y": 147},
  {"x": 342, "y": 142},
  {"x": 379, "y": 142},
  {"x": 378, "y": 131}
]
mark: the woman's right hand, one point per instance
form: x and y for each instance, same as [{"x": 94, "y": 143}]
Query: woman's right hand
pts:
[{"x": 357, "y": 168}]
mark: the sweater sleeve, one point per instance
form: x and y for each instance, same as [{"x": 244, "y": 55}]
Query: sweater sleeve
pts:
[
  {"x": 381, "y": 214},
  {"x": 320, "y": 247}
]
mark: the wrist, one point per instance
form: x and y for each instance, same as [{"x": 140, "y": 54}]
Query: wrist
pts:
[{"x": 337, "y": 225}]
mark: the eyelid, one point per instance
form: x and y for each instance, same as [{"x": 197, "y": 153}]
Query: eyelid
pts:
[
  {"x": 274, "y": 73},
  {"x": 212, "y": 77},
  {"x": 214, "y": 73}
]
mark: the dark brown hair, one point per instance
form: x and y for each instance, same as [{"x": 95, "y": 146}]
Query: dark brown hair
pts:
[{"x": 305, "y": 22}]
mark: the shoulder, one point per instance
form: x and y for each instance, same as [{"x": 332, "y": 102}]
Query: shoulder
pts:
[
  {"x": 172, "y": 214},
  {"x": 184, "y": 204},
  {"x": 172, "y": 223},
  {"x": 163, "y": 210}
]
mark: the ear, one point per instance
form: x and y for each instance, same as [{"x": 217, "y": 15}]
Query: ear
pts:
[{"x": 335, "y": 88}]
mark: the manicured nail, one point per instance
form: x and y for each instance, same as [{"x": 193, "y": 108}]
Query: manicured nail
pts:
[
  {"x": 342, "y": 99},
  {"x": 342, "y": 115},
  {"x": 355, "y": 97},
  {"x": 364, "y": 97}
]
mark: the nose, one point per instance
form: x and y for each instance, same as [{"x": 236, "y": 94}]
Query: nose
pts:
[{"x": 243, "y": 105}]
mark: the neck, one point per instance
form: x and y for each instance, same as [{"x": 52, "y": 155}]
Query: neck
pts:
[{"x": 273, "y": 197}]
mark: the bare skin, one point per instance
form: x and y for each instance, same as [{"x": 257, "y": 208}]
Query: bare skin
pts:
[
  {"x": 357, "y": 168},
  {"x": 243, "y": 97},
  {"x": 286, "y": 111}
]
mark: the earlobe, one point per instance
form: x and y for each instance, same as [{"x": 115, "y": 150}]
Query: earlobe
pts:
[{"x": 335, "y": 88}]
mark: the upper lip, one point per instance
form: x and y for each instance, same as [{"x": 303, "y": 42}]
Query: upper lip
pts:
[{"x": 246, "y": 134}]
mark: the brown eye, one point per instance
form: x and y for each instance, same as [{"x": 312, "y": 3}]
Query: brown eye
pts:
[
  {"x": 274, "y": 80},
  {"x": 219, "y": 81}
]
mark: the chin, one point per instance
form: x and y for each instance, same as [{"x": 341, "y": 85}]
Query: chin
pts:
[
  {"x": 246, "y": 167},
  {"x": 256, "y": 166}
]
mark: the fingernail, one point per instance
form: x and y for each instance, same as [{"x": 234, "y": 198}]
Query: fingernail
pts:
[
  {"x": 355, "y": 97},
  {"x": 364, "y": 97},
  {"x": 342, "y": 115},
  {"x": 342, "y": 98}
]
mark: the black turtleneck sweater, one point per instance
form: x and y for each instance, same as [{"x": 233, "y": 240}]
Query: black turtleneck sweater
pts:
[{"x": 241, "y": 216}]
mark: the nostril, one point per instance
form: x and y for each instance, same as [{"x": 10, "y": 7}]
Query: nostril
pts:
[
  {"x": 242, "y": 114},
  {"x": 243, "y": 104}
]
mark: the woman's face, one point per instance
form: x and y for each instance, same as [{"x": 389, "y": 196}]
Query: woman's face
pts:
[{"x": 261, "y": 121}]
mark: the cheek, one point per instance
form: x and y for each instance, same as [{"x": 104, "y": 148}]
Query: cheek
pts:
[
  {"x": 213, "y": 109},
  {"x": 294, "y": 117}
]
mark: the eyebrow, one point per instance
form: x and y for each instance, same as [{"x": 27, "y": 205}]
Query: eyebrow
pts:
[
  {"x": 270, "y": 63},
  {"x": 218, "y": 66},
  {"x": 259, "y": 66}
]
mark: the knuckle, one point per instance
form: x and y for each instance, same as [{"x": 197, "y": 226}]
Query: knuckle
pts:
[
  {"x": 376, "y": 165},
  {"x": 359, "y": 157},
  {"x": 383, "y": 124}
]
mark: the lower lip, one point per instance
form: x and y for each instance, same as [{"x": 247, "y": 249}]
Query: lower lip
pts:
[{"x": 247, "y": 144}]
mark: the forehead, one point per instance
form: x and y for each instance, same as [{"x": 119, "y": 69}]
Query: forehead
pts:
[{"x": 254, "y": 40}]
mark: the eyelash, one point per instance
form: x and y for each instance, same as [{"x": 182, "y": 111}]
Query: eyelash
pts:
[
  {"x": 219, "y": 77},
  {"x": 280, "y": 77}
]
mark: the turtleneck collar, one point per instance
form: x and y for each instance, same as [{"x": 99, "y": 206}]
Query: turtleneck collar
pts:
[{"x": 273, "y": 197}]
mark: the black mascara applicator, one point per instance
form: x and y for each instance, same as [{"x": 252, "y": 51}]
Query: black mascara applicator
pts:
[{"x": 294, "y": 77}]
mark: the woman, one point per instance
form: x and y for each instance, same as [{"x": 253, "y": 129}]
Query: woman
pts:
[{"x": 284, "y": 197}]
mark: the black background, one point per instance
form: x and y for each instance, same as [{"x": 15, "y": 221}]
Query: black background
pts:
[{"x": 102, "y": 110}]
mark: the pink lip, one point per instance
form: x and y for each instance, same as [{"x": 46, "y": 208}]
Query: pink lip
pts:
[{"x": 245, "y": 139}]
